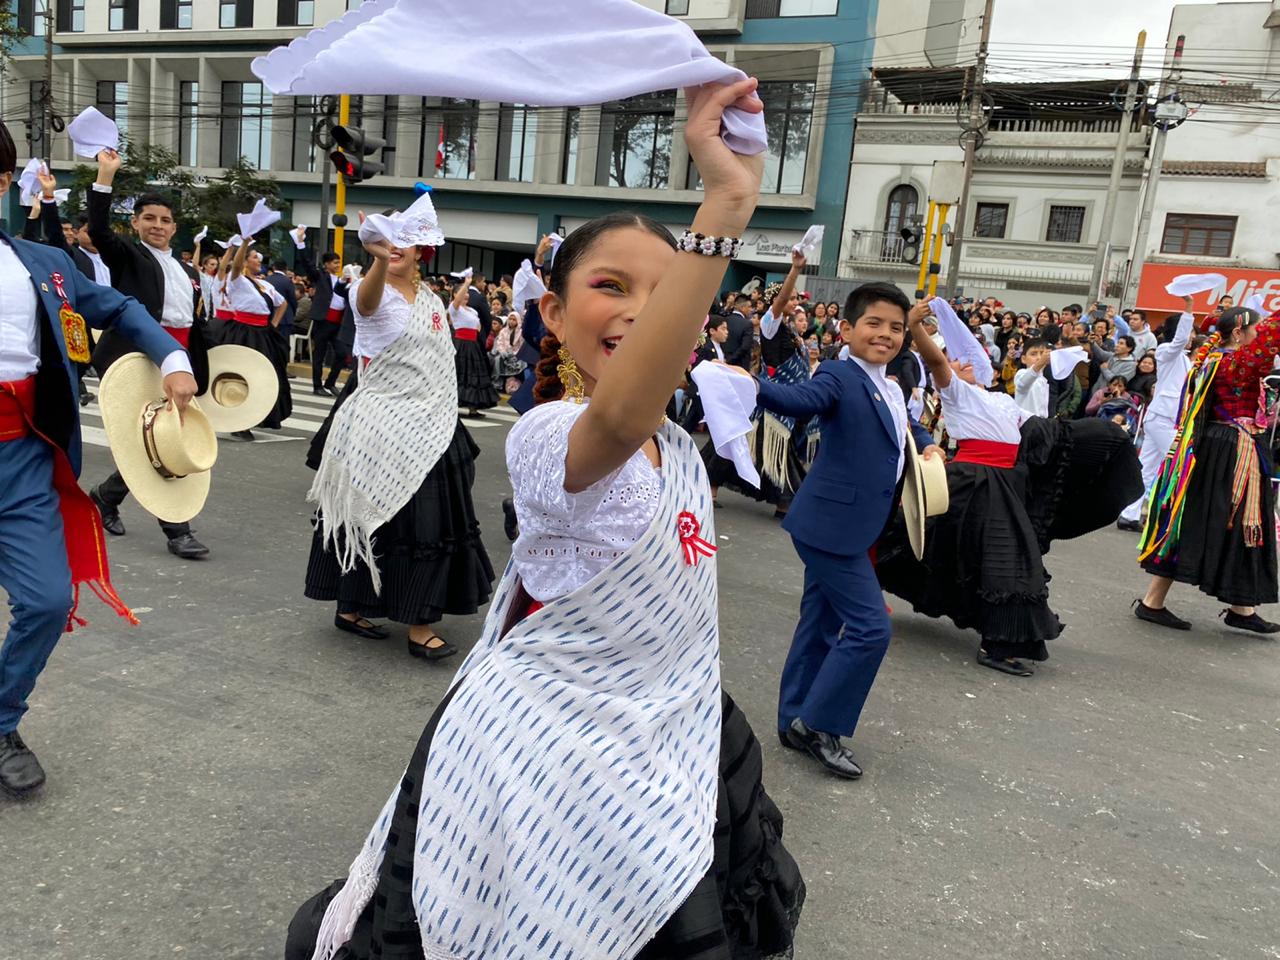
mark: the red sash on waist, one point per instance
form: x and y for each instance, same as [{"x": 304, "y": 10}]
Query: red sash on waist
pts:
[
  {"x": 181, "y": 334},
  {"x": 333, "y": 315},
  {"x": 989, "y": 453},
  {"x": 223, "y": 315},
  {"x": 463, "y": 333},
  {"x": 251, "y": 319},
  {"x": 83, "y": 538}
]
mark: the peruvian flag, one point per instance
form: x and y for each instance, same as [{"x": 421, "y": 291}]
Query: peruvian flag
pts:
[{"x": 440, "y": 150}]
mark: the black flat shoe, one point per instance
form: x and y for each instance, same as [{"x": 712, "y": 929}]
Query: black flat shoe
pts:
[
  {"x": 187, "y": 547},
  {"x": 1253, "y": 623},
  {"x": 424, "y": 652},
  {"x": 826, "y": 749},
  {"x": 475, "y": 415},
  {"x": 244, "y": 435},
  {"x": 370, "y": 632},
  {"x": 1129, "y": 526},
  {"x": 20, "y": 771},
  {"x": 510, "y": 522},
  {"x": 1014, "y": 668},
  {"x": 1161, "y": 616},
  {"x": 111, "y": 521}
]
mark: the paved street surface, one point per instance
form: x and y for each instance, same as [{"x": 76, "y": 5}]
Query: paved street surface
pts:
[{"x": 213, "y": 768}]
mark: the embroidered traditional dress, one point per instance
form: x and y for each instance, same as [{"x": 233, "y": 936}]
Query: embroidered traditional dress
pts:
[
  {"x": 583, "y": 792},
  {"x": 250, "y": 306},
  {"x": 396, "y": 533}
]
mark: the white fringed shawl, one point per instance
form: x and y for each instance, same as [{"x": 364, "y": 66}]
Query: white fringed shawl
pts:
[
  {"x": 569, "y": 796},
  {"x": 388, "y": 435}
]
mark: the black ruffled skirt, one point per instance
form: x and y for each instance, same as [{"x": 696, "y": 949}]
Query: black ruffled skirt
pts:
[
  {"x": 475, "y": 376},
  {"x": 747, "y": 907},
  {"x": 271, "y": 343},
  {"x": 722, "y": 473},
  {"x": 1211, "y": 552},
  {"x": 430, "y": 556}
]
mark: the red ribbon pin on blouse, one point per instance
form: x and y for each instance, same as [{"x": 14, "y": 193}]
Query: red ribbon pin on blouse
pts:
[
  {"x": 693, "y": 545},
  {"x": 437, "y": 322}
]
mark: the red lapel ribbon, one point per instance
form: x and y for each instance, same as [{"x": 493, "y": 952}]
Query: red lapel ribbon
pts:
[
  {"x": 437, "y": 322},
  {"x": 57, "y": 286},
  {"x": 693, "y": 545}
]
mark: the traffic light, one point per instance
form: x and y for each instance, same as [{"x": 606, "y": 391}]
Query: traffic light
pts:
[
  {"x": 911, "y": 235},
  {"x": 353, "y": 158}
]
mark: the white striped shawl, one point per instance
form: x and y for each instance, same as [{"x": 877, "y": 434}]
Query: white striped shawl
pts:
[
  {"x": 569, "y": 797},
  {"x": 388, "y": 435}
]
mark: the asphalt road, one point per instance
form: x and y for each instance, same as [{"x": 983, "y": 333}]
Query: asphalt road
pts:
[{"x": 211, "y": 769}]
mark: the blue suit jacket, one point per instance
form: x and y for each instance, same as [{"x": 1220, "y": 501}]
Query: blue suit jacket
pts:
[
  {"x": 844, "y": 502},
  {"x": 57, "y": 403}
]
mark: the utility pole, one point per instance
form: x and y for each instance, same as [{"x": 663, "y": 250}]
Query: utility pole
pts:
[
  {"x": 322, "y": 139},
  {"x": 1170, "y": 112},
  {"x": 46, "y": 102},
  {"x": 340, "y": 201},
  {"x": 973, "y": 133},
  {"x": 1117, "y": 174}
]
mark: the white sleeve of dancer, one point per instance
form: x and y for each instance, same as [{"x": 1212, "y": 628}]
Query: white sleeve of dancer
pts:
[
  {"x": 1031, "y": 393},
  {"x": 536, "y": 449},
  {"x": 769, "y": 324},
  {"x": 381, "y": 328}
]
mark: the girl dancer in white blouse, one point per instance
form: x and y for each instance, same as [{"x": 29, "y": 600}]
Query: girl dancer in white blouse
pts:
[{"x": 564, "y": 800}]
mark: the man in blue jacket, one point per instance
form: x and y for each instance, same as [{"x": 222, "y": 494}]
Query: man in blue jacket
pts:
[
  {"x": 836, "y": 518},
  {"x": 45, "y": 304}
]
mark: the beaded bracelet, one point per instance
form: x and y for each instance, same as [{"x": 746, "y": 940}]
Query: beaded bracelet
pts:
[{"x": 691, "y": 242}]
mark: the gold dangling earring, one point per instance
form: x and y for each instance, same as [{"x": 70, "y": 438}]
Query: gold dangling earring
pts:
[{"x": 569, "y": 376}]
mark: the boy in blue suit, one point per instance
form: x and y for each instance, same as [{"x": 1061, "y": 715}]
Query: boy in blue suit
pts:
[
  {"x": 45, "y": 303},
  {"x": 837, "y": 516}
]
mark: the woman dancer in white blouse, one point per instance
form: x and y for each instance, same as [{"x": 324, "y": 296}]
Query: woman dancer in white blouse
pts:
[
  {"x": 564, "y": 798},
  {"x": 255, "y": 309}
]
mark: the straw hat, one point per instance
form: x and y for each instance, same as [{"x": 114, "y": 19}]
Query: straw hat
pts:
[
  {"x": 924, "y": 493},
  {"x": 243, "y": 387},
  {"x": 164, "y": 460}
]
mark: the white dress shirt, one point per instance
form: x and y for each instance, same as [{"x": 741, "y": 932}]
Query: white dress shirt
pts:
[
  {"x": 719, "y": 352},
  {"x": 1172, "y": 367},
  {"x": 891, "y": 394},
  {"x": 178, "y": 311},
  {"x": 976, "y": 414},
  {"x": 101, "y": 272}
]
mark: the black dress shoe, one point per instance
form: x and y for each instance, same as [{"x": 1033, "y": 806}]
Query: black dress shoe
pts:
[
  {"x": 510, "y": 522},
  {"x": 245, "y": 435},
  {"x": 111, "y": 521},
  {"x": 826, "y": 749},
  {"x": 20, "y": 771},
  {"x": 371, "y": 632},
  {"x": 188, "y": 547},
  {"x": 1253, "y": 623},
  {"x": 321, "y": 392},
  {"x": 1161, "y": 616},
  {"x": 1129, "y": 526},
  {"x": 423, "y": 652},
  {"x": 784, "y": 737}
]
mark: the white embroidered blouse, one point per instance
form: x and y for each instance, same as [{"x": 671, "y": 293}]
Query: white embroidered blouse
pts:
[
  {"x": 565, "y": 538},
  {"x": 378, "y": 330},
  {"x": 247, "y": 297}
]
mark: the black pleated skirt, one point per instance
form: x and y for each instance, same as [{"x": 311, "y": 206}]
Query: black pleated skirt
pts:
[
  {"x": 430, "y": 557},
  {"x": 747, "y": 907},
  {"x": 982, "y": 564},
  {"x": 475, "y": 376},
  {"x": 1211, "y": 552},
  {"x": 271, "y": 343},
  {"x": 722, "y": 473}
]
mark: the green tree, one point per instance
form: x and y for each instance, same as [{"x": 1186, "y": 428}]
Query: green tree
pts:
[
  {"x": 147, "y": 169},
  {"x": 10, "y": 31}
]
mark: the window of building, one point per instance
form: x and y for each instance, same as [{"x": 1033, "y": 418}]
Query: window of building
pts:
[
  {"x": 122, "y": 14},
  {"x": 72, "y": 17},
  {"x": 768, "y": 9},
  {"x": 175, "y": 14},
  {"x": 448, "y": 145},
  {"x": 635, "y": 141},
  {"x": 677, "y": 8},
  {"x": 899, "y": 210},
  {"x": 302, "y": 151},
  {"x": 1066, "y": 224},
  {"x": 188, "y": 122},
  {"x": 788, "y": 117},
  {"x": 246, "y": 124},
  {"x": 31, "y": 17},
  {"x": 236, "y": 13},
  {"x": 296, "y": 13},
  {"x": 113, "y": 101},
  {"x": 990, "y": 220},
  {"x": 517, "y": 142},
  {"x": 569, "y": 162},
  {"x": 185, "y": 14},
  {"x": 1196, "y": 234}
]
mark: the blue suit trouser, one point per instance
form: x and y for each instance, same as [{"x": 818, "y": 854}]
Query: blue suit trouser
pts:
[
  {"x": 33, "y": 571},
  {"x": 839, "y": 643}
]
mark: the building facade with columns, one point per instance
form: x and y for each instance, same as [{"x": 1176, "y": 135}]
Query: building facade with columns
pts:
[{"x": 177, "y": 73}]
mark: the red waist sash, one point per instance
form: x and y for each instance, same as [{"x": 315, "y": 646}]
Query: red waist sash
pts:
[
  {"x": 251, "y": 319},
  {"x": 223, "y": 315},
  {"x": 333, "y": 315},
  {"x": 83, "y": 538},
  {"x": 463, "y": 333},
  {"x": 990, "y": 453},
  {"x": 181, "y": 334}
]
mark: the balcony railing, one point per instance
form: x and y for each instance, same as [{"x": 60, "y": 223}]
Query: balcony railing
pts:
[{"x": 875, "y": 246}]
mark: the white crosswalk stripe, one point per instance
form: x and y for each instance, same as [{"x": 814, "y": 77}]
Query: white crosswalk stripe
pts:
[{"x": 309, "y": 412}]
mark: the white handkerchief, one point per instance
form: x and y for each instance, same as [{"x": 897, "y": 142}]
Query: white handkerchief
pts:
[
  {"x": 526, "y": 286},
  {"x": 812, "y": 241},
  {"x": 555, "y": 53},
  {"x": 466, "y": 274},
  {"x": 556, "y": 240},
  {"x": 92, "y": 132},
  {"x": 257, "y": 219},
  {"x": 204, "y": 232},
  {"x": 61, "y": 196},
  {"x": 1064, "y": 360},
  {"x": 29, "y": 180},
  {"x": 728, "y": 400},
  {"x": 1189, "y": 284},
  {"x": 962, "y": 345},
  {"x": 124, "y": 206},
  {"x": 414, "y": 227},
  {"x": 234, "y": 241}
]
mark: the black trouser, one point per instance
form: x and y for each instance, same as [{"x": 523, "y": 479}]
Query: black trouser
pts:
[
  {"x": 113, "y": 490},
  {"x": 324, "y": 339}
]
